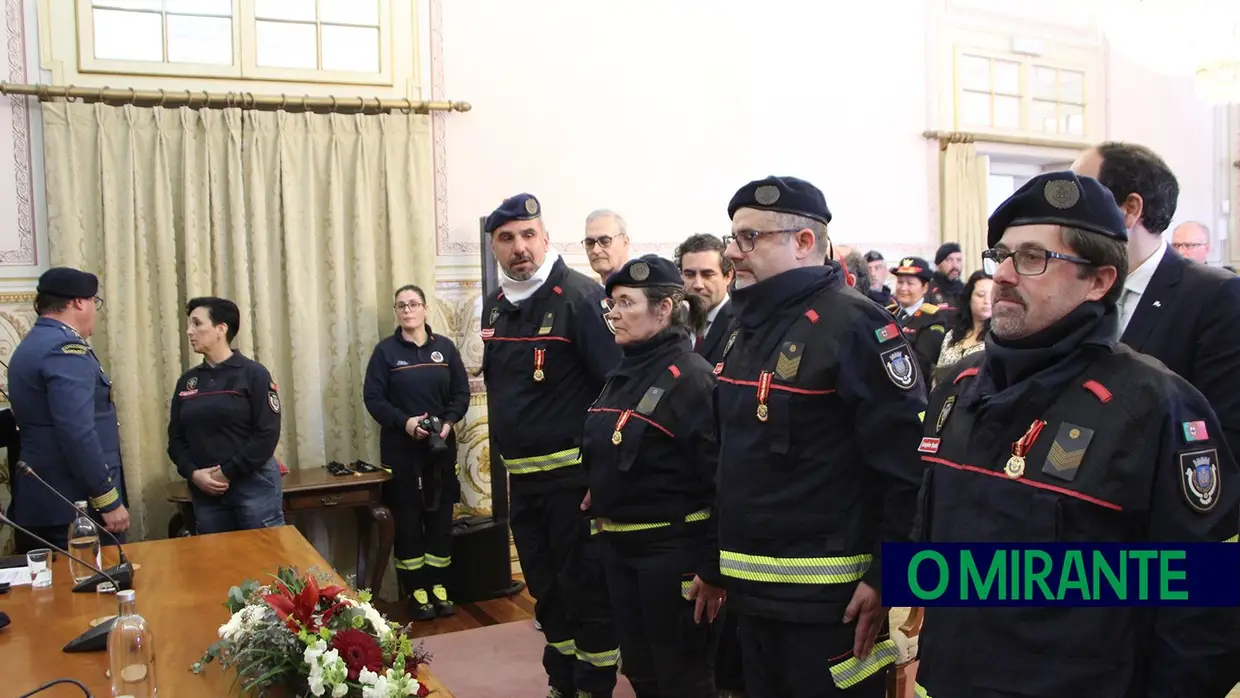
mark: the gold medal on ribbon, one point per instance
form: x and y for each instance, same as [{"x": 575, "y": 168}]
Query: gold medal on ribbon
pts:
[
  {"x": 539, "y": 376},
  {"x": 764, "y": 391},
  {"x": 540, "y": 356},
  {"x": 1015, "y": 467},
  {"x": 616, "y": 436},
  {"x": 763, "y": 413}
]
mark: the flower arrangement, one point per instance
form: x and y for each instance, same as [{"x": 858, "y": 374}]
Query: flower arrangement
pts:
[{"x": 294, "y": 637}]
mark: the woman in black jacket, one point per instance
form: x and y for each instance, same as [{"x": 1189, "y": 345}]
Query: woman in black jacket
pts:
[{"x": 416, "y": 389}]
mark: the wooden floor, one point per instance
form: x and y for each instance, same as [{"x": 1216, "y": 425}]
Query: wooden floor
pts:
[{"x": 518, "y": 608}]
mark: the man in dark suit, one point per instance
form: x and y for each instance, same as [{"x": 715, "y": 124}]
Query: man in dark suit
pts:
[
  {"x": 708, "y": 275},
  {"x": 1184, "y": 314}
]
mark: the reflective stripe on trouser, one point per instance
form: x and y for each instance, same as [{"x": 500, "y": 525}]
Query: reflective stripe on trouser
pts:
[
  {"x": 853, "y": 671},
  {"x": 542, "y": 464},
  {"x": 413, "y": 563},
  {"x": 794, "y": 570},
  {"x": 438, "y": 561},
  {"x": 601, "y": 525}
]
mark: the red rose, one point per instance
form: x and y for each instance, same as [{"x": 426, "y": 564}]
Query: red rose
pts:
[{"x": 359, "y": 651}]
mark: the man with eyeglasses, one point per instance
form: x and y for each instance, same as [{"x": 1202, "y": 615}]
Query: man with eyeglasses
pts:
[
  {"x": 62, "y": 400},
  {"x": 818, "y": 405},
  {"x": 1192, "y": 240},
  {"x": 606, "y": 242},
  {"x": 1058, "y": 433}
]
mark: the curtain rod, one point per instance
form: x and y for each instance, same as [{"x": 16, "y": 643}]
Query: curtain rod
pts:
[
  {"x": 945, "y": 137},
  {"x": 239, "y": 100}
]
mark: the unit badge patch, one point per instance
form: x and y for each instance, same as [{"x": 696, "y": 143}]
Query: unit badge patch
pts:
[
  {"x": 900, "y": 367},
  {"x": 929, "y": 445},
  {"x": 273, "y": 398},
  {"x": 192, "y": 383},
  {"x": 1195, "y": 431},
  {"x": 789, "y": 361},
  {"x": 436, "y": 357},
  {"x": 494, "y": 316},
  {"x": 76, "y": 349},
  {"x": 1067, "y": 451},
  {"x": 944, "y": 413},
  {"x": 1199, "y": 479},
  {"x": 731, "y": 340}
]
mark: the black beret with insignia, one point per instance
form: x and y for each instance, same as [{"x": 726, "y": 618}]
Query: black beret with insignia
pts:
[
  {"x": 522, "y": 207},
  {"x": 782, "y": 194},
  {"x": 873, "y": 256},
  {"x": 67, "y": 282},
  {"x": 1060, "y": 198},
  {"x": 650, "y": 270},
  {"x": 914, "y": 266}
]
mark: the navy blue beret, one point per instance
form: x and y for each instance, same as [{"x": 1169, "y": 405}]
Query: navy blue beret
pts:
[
  {"x": 782, "y": 194},
  {"x": 522, "y": 207},
  {"x": 914, "y": 266},
  {"x": 67, "y": 282},
  {"x": 946, "y": 249},
  {"x": 873, "y": 256},
  {"x": 1060, "y": 198},
  {"x": 650, "y": 270}
]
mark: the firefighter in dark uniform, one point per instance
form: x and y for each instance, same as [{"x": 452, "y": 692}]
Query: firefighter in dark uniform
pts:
[
  {"x": 924, "y": 324},
  {"x": 819, "y": 403},
  {"x": 547, "y": 352},
  {"x": 1058, "y": 433},
  {"x": 62, "y": 400},
  {"x": 416, "y": 388},
  {"x": 650, "y": 449},
  {"x": 224, "y": 425},
  {"x": 947, "y": 283}
]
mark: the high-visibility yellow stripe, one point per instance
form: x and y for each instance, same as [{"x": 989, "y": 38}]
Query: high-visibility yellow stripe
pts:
[
  {"x": 595, "y": 528},
  {"x": 1233, "y": 539},
  {"x": 794, "y": 570},
  {"x": 853, "y": 671},
  {"x": 105, "y": 499},
  {"x": 564, "y": 647},
  {"x": 542, "y": 464},
  {"x": 412, "y": 563},
  {"x": 611, "y": 526},
  {"x": 436, "y": 561},
  {"x": 921, "y": 416},
  {"x": 920, "y": 691},
  {"x": 685, "y": 586},
  {"x": 599, "y": 659}
]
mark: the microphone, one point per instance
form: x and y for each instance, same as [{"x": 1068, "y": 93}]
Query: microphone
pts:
[
  {"x": 123, "y": 571},
  {"x": 95, "y": 639}
]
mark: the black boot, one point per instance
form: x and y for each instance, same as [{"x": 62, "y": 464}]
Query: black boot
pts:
[
  {"x": 421, "y": 605},
  {"x": 443, "y": 606}
]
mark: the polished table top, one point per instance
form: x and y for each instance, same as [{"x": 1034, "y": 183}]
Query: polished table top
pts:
[
  {"x": 308, "y": 480},
  {"x": 181, "y": 585}
]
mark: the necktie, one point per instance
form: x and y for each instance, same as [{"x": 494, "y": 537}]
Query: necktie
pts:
[{"x": 697, "y": 342}]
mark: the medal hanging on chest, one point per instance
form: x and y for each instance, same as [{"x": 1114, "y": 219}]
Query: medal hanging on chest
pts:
[
  {"x": 540, "y": 357},
  {"x": 764, "y": 391},
  {"x": 617, "y": 436},
  {"x": 1020, "y": 449}
]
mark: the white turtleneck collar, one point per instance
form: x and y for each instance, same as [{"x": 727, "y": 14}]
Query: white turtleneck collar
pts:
[{"x": 517, "y": 291}]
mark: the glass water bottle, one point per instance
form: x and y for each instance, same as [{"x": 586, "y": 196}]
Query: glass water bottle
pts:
[
  {"x": 131, "y": 652},
  {"x": 83, "y": 544}
]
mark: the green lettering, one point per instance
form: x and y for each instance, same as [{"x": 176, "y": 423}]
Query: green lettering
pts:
[
  {"x": 1143, "y": 577},
  {"x": 1037, "y": 577},
  {"x": 970, "y": 577},
  {"x": 1073, "y": 567},
  {"x": 1118, "y": 584},
  {"x": 1015, "y": 579},
  {"x": 944, "y": 577},
  {"x": 1166, "y": 575}
]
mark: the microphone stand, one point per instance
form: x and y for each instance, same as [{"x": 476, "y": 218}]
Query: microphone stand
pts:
[
  {"x": 122, "y": 572},
  {"x": 95, "y": 639}
]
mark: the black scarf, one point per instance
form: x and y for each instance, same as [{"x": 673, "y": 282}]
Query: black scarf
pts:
[
  {"x": 639, "y": 358},
  {"x": 764, "y": 311}
]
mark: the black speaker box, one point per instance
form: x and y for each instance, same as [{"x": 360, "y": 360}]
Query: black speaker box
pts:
[{"x": 481, "y": 567}]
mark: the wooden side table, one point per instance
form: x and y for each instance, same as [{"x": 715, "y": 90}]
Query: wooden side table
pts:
[{"x": 313, "y": 490}]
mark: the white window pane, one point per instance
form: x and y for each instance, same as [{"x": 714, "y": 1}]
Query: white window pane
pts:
[
  {"x": 1045, "y": 83},
  {"x": 219, "y": 8},
  {"x": 1007, "y": 77},
  {"x": 128, "y": 36},
  {"x": 353, "y": 49},
  {"x": 155, "y": 5},
  {"x": 974, "y": 109},
  {"x": 1072, "y": 86},
  {"x": 285, "y": 45},
  {"x": 974, "y": 73},
  {"x": 349, "y": 12},
  {"x": 1007, "y": 112},
  {"x": 1044, "y": 117},
  {"x": 1073, "y": 119},
  {"x": 285, "y": 9},
  {"x": 998, "y": 189},
  {"x": 200, "y": 40}
]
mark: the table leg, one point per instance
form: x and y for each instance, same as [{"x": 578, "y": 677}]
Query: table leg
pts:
[
  {"x": 382, "y": 516},
  {"x": 187, "y": 515},
  {"x": 364, "y": 524}
]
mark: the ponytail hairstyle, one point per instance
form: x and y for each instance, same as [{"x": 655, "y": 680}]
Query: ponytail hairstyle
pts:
[{"x": 688, "y": 311}]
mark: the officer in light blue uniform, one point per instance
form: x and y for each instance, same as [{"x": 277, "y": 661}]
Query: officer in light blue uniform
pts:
[{"x": 63, "y": 403}]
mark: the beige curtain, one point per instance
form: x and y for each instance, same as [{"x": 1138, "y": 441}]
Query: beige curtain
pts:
[
  {"x": 963, "y": 188},
  {"x": 308, "y": 222}
]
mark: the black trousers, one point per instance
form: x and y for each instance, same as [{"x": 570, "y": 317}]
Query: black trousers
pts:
[
  {"x": 423, "y": 545},
  {"x": 564, "y": 573},
  {"x": 729, "y": 660},
  {"x": 808, "y": 660},
  {"x": 666, "y": 654}
]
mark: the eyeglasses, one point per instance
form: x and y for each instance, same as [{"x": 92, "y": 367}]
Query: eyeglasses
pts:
[
  {"x": 1028, "y": 261},
  {"x": 622, "y": 304},
  {"x": 603, "y": 241},
  {"x": 412, "y": 305},
  {"x": 746, "y": 239},
  {"x": 98, "y": 303},
  {"x": 1187, "y": 245}
]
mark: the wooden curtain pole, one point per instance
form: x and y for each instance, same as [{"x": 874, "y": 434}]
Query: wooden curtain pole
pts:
[
  {"x": 230, "y": 100},
  {"x": 945, "y": 137}
]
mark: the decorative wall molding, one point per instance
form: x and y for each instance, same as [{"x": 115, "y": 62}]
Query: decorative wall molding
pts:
[{"x": 25, "y": 253}]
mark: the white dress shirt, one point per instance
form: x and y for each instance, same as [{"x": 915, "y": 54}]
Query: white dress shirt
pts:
[
  {"x": 907, "y": 313},
  {"x": 1135, "y": 285},
  {"x": 714, "y": 312}
]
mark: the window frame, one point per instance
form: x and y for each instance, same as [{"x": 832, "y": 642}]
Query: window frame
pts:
[
  {"x": 244, "y": 65},
  {"x": 1027, "y": 66}
]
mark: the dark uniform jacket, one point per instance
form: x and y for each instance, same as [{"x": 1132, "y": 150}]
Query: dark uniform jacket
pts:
[
  {"x": 558, "y": 335},
  {"x": 711, "y": 346},
  {"x": 818, "y": 406},
  {"x": 63, "y": 403},
  {"x": 226, "y": 415},
  {"x": 404, "y": 380},
  {"x": 663, "y": 468},
  {"x": 944, "y": 292},
  {"x": 1127, "y": 452},
  {"x": 925, "y": 331}
]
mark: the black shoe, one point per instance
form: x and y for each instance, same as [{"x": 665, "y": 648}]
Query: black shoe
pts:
[
  {"x": 362, "y": 466},
  {"x": 422, "y": 608},
  {"x": 338, "y": 469},
  {"x": 443, "y": 607}
]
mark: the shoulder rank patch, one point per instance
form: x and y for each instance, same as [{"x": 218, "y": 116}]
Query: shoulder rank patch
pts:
[
  {"x": 273, "y": 398},
  {"x": 74, "y": 348},
  {"x": 1067, "y": 451},
  {"x": 650, "y": 401},
  {"x": 1195, "y": 431},
  {"x": 606, "y": 315},
  {"x": 1199, "y": 479},
  {"x": 888, "y": 333},
  {"x": 789, "y": 361},
  {"x": 547, "y": 323},
  {"x": 944, "y": 414},
  {"x": 900, "y": 367}
]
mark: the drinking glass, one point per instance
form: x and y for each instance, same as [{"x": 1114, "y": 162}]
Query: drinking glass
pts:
[{"x": 40, "y": 562}]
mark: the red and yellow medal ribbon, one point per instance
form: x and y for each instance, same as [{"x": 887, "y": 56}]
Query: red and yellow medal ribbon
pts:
[
  {"x": 540, "y": 356},
  {"x": 764, "y": 391},
  {"x": 616, "y": 436},
  {"x": 1016, "y": 464}
]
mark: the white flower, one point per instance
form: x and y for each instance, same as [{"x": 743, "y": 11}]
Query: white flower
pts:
[
  {"x": 390, "y": 685},
  {"x": 241, "y": 621},
  {"x": 367, "y": 677},
  {"x": 382, "y": 629}
]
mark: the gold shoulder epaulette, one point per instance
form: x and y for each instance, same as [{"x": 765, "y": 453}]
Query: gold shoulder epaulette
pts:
[{"x": 929, "y": 308}]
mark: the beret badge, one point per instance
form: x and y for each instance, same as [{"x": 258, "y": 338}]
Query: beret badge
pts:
[
  {"x": 639, "y": 271},
  {"x": 531, "y": 206},
  {"x": 766, "y": 195},
  {"x": 1062, "y": 194}
]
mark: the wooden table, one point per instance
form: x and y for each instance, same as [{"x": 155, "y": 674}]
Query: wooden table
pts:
[
  {"x": 180, "y": 586},
  {"x": 317, "y": 489}
]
